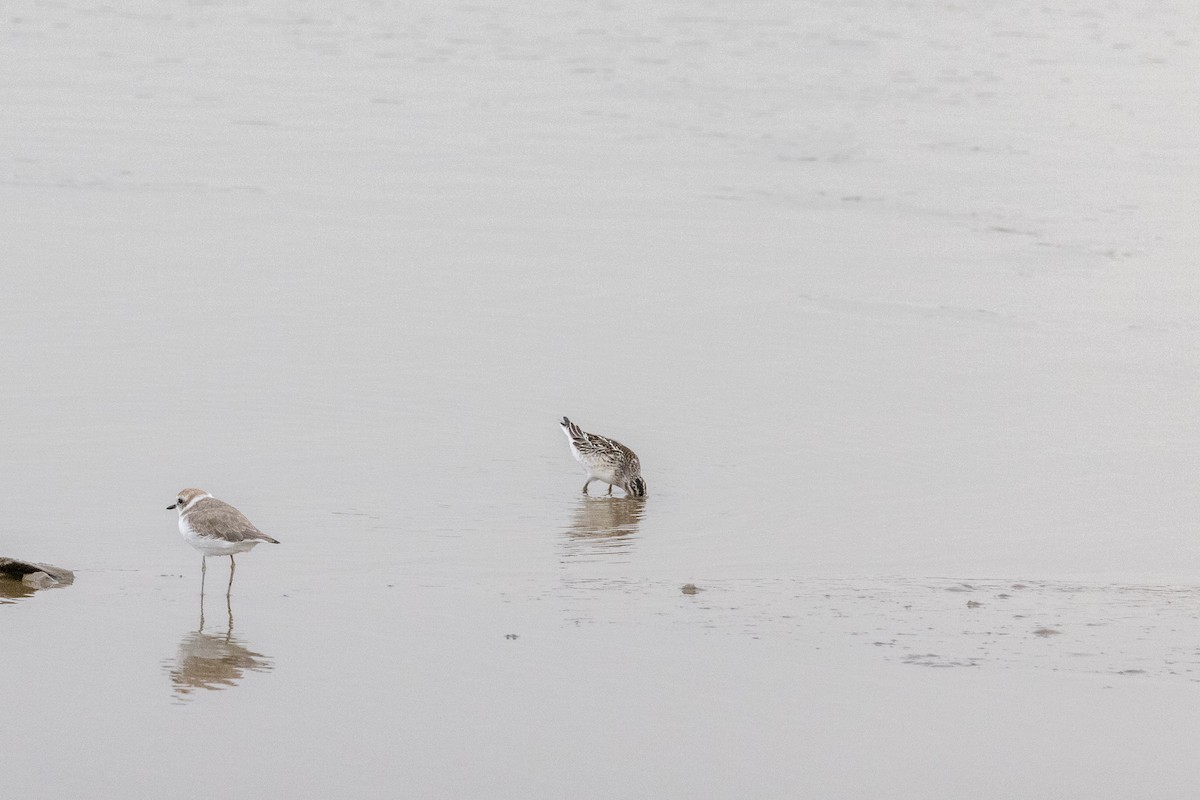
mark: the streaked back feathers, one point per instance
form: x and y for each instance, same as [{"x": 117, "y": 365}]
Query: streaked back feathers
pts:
[{"x": 596, "y": 445}]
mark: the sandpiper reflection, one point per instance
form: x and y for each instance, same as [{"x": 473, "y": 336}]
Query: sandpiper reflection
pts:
[
  {"x": 212, "y": 660},
  {"x": 603, "y": 527}
]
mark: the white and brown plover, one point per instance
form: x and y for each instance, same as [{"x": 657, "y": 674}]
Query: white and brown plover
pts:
[
  {"x": 605, "y": 459},
  {"x": 215, "y": 528}
]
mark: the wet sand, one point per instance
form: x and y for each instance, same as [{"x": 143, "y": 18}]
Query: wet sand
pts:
[
  {"x": 517, "y": 685},
  {"x": 896, "y": 304}
]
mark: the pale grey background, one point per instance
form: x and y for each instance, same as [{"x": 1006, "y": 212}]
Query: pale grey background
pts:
[{"x": 888, "y": 297}]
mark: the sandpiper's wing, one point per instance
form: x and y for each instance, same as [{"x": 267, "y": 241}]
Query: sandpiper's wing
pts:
[
  {"x": 574, "y": 433},
  {"x": 596, "y": 446},
  {"x": 216, "y": 519}
]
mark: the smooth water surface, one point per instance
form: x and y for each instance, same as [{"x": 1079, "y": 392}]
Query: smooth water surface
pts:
[{"x": 887, "y": 297}]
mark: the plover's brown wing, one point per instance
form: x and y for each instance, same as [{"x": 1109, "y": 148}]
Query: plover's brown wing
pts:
[{"x": 218, "y": 520}]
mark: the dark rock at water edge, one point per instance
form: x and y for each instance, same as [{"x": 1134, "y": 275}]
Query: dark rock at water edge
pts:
[{"x": 34, "y": 575}]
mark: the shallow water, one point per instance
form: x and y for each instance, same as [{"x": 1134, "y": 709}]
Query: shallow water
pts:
[{"x": 876, "y": 292}]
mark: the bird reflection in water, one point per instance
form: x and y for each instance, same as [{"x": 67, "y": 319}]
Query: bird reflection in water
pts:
[
  {"x": 212, "y": 660},
  {"x": 12, "y": 590},
  {"x": 603, "y": 528}
]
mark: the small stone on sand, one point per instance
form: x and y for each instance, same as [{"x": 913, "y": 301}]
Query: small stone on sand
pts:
[
  {"x": 37, "y": 580},
  {"x": 690, "y": 588},
  {"x": 38, "y": 576}
]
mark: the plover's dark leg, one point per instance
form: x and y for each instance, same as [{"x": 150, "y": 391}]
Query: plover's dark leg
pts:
[
  {"x": 232, "y": 569},
  {"x": 585, "y": 484},
  {"x": 610, "y": 490},
  {"x": 201, "y": 629}
]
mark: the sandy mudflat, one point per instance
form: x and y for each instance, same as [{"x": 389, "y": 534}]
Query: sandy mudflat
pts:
[{"x": 505, "y": 687}]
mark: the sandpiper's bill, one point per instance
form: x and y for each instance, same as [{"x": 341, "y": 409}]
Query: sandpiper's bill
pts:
[
  {"x": 215, "y": 528},
  {"x": 605, "y": 459}
]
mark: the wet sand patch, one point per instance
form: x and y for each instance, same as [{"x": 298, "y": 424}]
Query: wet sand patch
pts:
[{"x": 1102, "y": 628}]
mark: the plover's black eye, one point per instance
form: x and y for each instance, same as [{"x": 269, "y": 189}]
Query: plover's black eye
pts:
[{"x": 179, "y": 500}]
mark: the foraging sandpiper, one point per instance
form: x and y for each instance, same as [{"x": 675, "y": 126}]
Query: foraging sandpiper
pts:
[{"x": 605, "y": 460}]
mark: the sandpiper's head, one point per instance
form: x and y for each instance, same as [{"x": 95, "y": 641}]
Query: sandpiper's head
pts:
[
  {"x": 635, "y": 487},
  {"x": 186, "y": 497}
]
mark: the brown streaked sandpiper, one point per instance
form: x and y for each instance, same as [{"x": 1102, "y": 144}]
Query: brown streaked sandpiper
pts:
[{"x": 605, "y": 459}]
